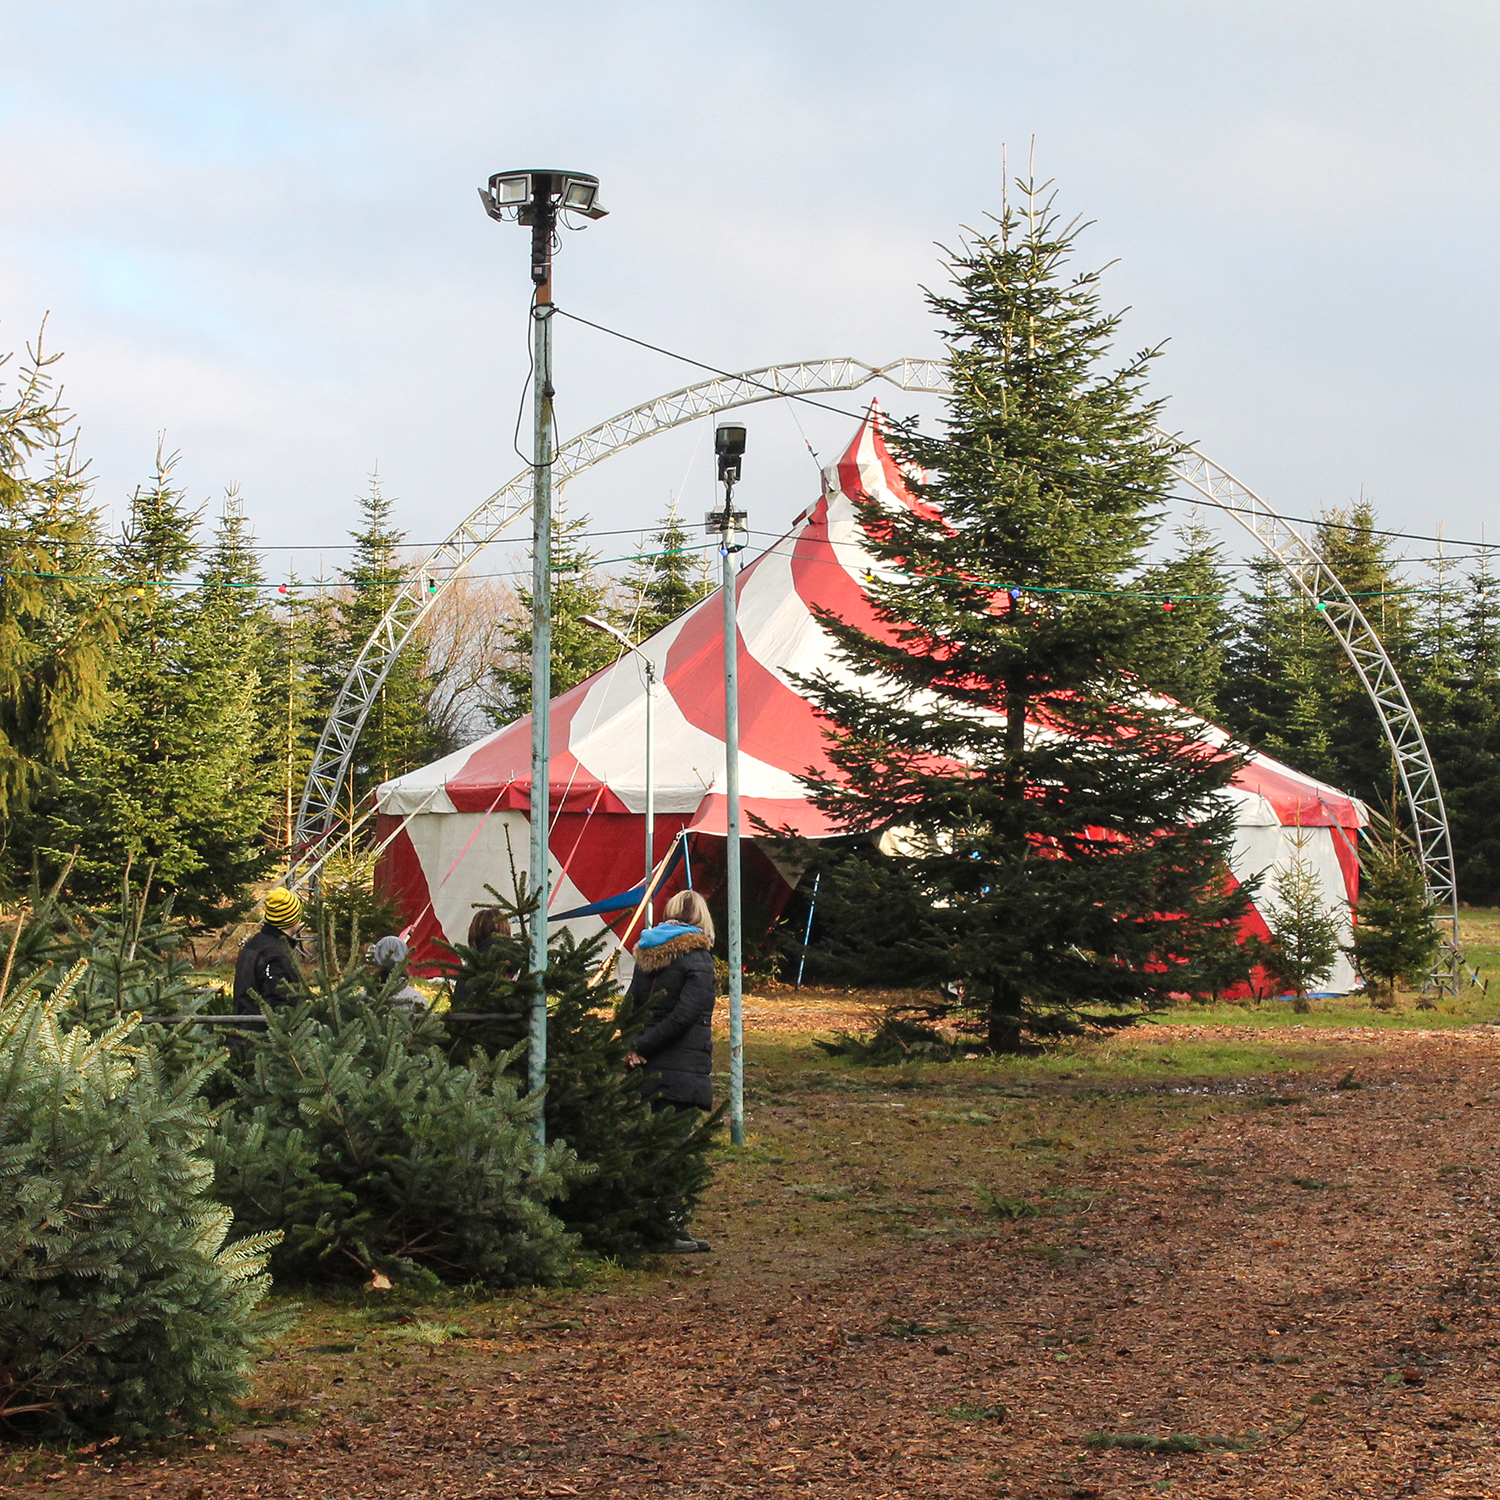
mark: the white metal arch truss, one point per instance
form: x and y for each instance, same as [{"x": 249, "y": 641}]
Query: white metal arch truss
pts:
[
  {"x": 318, "y": 824},
  {"x": 1304, "y": 565},
  {"x": 318, "y": 817}
]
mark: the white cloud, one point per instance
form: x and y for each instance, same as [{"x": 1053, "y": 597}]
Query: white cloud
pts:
[{"x": 256, "y": 226}]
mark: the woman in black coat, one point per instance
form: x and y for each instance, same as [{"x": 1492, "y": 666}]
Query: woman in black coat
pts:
[{"x": 674, "y": 976}]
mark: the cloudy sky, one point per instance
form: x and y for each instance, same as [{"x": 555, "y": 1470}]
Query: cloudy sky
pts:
[{"x": 254, "y": 228}]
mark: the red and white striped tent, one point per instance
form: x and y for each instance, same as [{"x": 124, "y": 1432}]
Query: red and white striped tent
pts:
[{"x": 461, "y": 824}]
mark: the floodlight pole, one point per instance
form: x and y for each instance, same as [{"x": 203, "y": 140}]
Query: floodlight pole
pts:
[
  {"x": 729, "y": 444},
  {"x": 650, "y": 783},
  {"x": 535, "y": 197},
  {"x": 543, "y": 224}
]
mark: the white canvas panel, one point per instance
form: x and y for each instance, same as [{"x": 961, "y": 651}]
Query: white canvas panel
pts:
[{"x": 1259, "y": 850}]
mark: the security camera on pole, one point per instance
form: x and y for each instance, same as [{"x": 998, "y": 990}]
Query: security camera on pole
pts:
[
  {"x": 729, "y": 446},
  {"x": 536, "y": 198}
]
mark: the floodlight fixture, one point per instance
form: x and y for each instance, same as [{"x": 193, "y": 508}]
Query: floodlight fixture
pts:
[
  {"x": 536, "y": 196},
  {"x": 729, "y": 448},
  {"x": 507, "y": 190}
]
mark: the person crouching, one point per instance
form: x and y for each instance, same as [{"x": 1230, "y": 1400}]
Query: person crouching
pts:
[{"x": 389, "y": 956}]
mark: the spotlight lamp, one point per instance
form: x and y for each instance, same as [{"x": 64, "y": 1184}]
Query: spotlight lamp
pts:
[
  {"x": 517, "y": 196},
  {"x": 729, "y": 448}
]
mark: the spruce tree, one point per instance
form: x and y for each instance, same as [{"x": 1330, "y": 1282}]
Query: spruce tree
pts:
[
  {"x": 1363, "y": 562},
  {"x": 166, "y": 784},
  {"x": 1275, "y": 691},
  {"x": 58, "y": 620},
  {"x": 1054, "y": 841},
  {"x": 231, "y": 650},
  {"x": 1465, "y": 741},
  {"x": 1186, "y": 662},
  {"x": 396, "y": 737},
  {"x": 662, "y": 583},
  {"x": 1394, "y": 938},
  {"x": 123, "y": 1307},
  {"x": 645, "y": 1172},
  {"x": 296, "y": 699},
  {"x": 352, "y": 1133},
  {"x": 1304, "y": 931},
  {"x": 578, "y": 589}
]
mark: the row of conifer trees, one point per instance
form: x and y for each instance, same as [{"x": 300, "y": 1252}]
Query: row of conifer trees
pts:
[{"x": 161, "y": 694}]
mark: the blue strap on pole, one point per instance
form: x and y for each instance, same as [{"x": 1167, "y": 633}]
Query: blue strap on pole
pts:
[
  {"x": 626, "y": 899},
  {"x": 812, "y": 906}
]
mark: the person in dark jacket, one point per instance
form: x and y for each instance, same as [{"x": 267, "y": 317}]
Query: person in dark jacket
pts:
[
  {"x": 674, "y": 976},
  {"x": 266, "y": 969}
]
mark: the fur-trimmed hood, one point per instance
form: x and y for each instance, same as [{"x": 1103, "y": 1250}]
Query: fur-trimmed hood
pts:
[{"x": 652, "y": 959}]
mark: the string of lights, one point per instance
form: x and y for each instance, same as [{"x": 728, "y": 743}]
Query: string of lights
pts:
[{"x": 1015, "y": 591}]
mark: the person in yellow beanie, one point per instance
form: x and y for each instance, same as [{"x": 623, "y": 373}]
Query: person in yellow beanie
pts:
[{"x": 266, "y": 969}]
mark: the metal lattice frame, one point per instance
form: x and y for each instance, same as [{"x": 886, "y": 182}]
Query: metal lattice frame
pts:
[
  {"x": 318, "y": 815},
  {"x": 1304, "y": 565}
]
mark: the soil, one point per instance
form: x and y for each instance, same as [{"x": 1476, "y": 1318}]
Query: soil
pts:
[{"x": 909, "y": 1295}]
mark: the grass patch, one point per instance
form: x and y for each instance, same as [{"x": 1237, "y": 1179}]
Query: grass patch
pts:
[
  {"x": 967, "y": 1412},
  {"x": 1007, "y": 1208}
]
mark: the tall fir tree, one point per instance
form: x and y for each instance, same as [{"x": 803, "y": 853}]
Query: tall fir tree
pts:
[
  {"x": 1274, "y": 690},
  {"x": 396, "y": 737},
  {"x": 578, "y": 589},
  {"x": 1186, "y": 662},
  {"x": 1056, "y": 843},
  {"x": 1291, "y": 691},
  {"x": 1362, "y": 559},
  {"x": 1466, "y": 740},
  {"x": 297, "y": 698},
  {"x": 57, "y": 621},
  {"x": 231, "y": 650},
  {"x": 167, "y": 781}
]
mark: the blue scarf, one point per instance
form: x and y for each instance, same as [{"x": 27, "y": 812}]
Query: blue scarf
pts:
[{"x": 654, "y": 937}]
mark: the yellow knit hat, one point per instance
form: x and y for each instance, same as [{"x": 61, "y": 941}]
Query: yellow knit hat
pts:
[{"x": 283, "y": 908}]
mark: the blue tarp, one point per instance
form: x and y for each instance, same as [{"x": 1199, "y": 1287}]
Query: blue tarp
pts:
[{"x": 626, "y": 900}]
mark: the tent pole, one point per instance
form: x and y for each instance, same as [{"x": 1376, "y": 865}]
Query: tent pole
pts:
[{"x": 812, "y": 906}]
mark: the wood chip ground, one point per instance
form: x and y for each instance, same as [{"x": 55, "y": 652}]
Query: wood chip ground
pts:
[{"x": 1309, "y": 1276}]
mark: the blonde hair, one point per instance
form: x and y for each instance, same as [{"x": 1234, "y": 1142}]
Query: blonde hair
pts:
[{"x": 691, "y": 908}]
